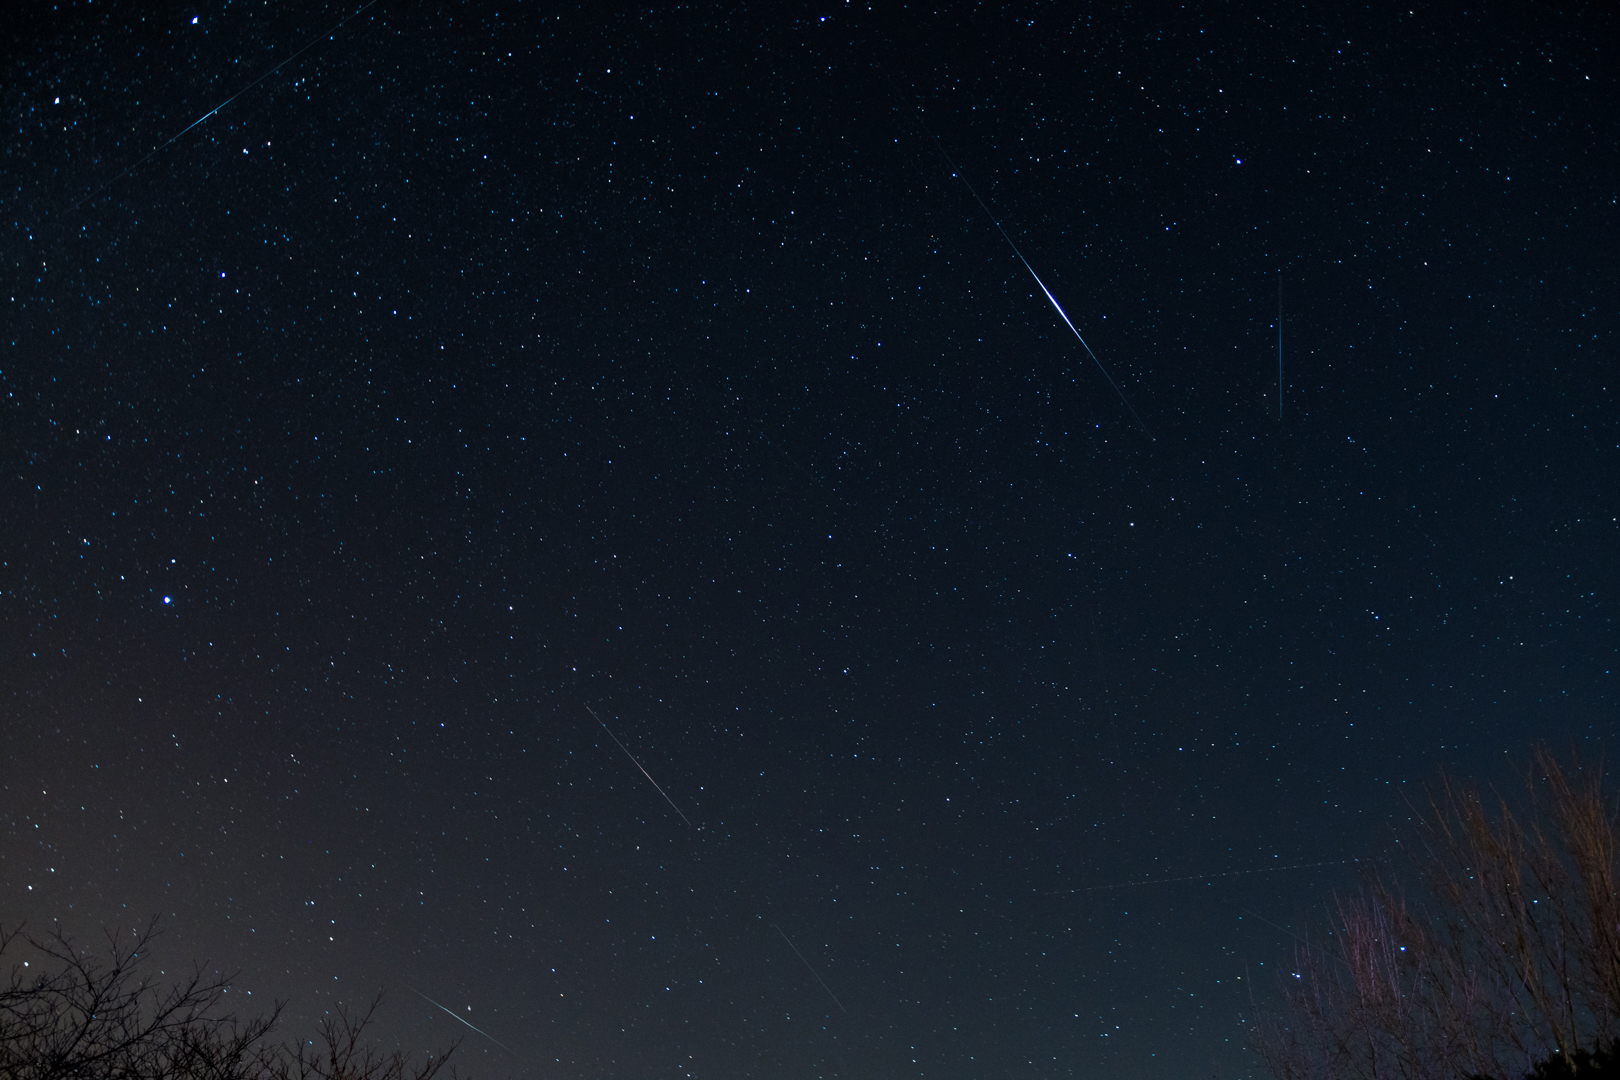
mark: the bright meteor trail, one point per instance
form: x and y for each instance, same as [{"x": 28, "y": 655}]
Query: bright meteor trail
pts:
[
  {"x": 452, "y": 1012},
  {"x": 152, "y": 153},
  {"x": 638, "y": 765},
  {"x": 1059, "y": 307}
]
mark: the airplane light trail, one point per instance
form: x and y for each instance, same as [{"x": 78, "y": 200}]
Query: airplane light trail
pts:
[
  {"x": 452, "y": 1012},
  {"x": 638, "y": 765},
  {"x": 806, "y": 963},
  {"x": 956, "y": 172}
]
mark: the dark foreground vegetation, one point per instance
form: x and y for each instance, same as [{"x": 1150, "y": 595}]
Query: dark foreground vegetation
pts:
[
  {"x": 1503, "y": 961},
  {"x": 70, "y": 1014}
]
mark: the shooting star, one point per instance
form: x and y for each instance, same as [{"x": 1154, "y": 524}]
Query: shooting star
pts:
[
  {"x": 812, "y": 970},
  {"x": 638, "y": 765},
  {"x": 956, "y": 172},
  {"x": 1279, "y": 346},
  {"x": 1212, "y": 877},
  {"x": 452, "y": 1012},
  {"x": 170, "y": 141}
]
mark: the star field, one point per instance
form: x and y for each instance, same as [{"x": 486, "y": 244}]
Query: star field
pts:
[{"x": 475, "y": 371}]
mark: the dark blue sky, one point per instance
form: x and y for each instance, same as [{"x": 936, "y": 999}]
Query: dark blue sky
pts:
[{"x": 475, "y": 370}]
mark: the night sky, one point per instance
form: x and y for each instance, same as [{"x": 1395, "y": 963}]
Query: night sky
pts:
[{"x": 487, "y": 365}]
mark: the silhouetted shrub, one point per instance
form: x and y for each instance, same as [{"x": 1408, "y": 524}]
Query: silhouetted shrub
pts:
[
  {"x": 1510, "y": 957},
  {"x": 67, "y": 1014}
]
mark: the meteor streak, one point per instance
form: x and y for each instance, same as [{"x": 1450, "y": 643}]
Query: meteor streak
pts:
[
  {"x": 956, "y": 172},
  {"x": 1212, "y": 877},
  {"x": 452, "y": 1012},
  {"x": 806, "y": 963},
  {"x": 638, "y": 765},
  {"x": 154, "y": 152}
]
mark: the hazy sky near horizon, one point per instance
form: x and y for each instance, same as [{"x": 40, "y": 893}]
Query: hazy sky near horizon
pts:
[{"x": 480, "y": 369}]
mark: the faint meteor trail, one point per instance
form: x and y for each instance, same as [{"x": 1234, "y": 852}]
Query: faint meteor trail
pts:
[
  {"x": 1212, "y": 877},
  {"x": 638, "y": 765},
  {"x": 812, "y": 970},
  {"x": 153, "y": 153},
  {"x": 956, "y": 172},
  {"x": 452, "y": 1012},
  {"x": 1279, "y": 344}
]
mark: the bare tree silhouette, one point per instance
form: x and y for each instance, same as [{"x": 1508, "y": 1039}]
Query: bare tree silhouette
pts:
[
  {"x": 70, "y": 1013},
  {"x": 1507, "y": 963}
]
